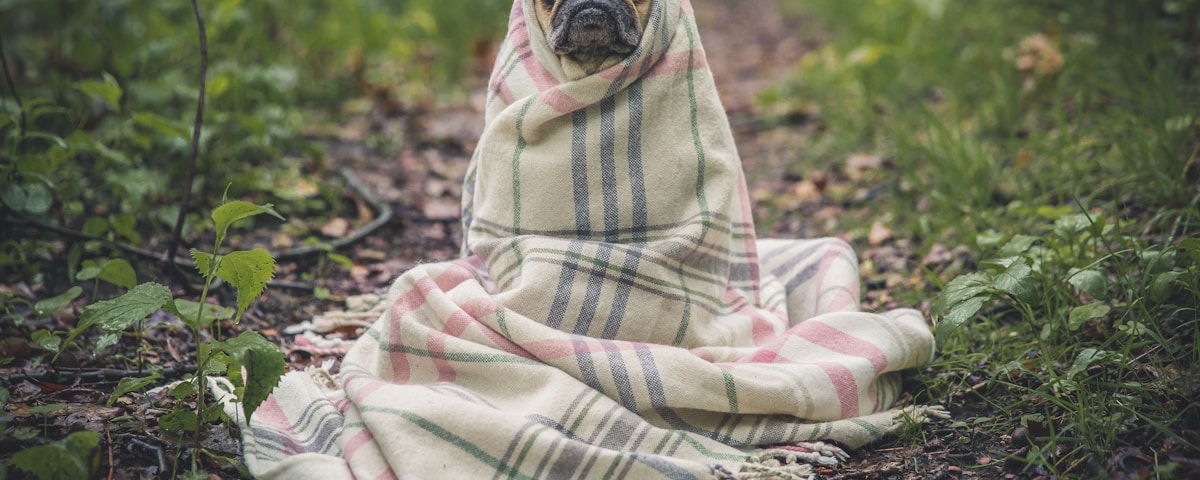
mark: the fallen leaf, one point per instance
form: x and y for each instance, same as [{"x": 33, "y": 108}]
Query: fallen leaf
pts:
[
  {"x": 938, "y": 255},
  {"x": 806, "y": 191},
  {"x": 858, "y": 165},
  {"x": 336, "y": 228},
  {"x": 879, "y": 234}
]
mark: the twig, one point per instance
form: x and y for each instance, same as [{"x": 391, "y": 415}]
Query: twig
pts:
[
  {"x": 112, "y": 466},
  {"x": 177, "y": 236},
  {"x": 99, "y": 374},
  {"x": 12, "y": 86},
  {"x": 383, "y": 214},
  {"x": 202, "y": 358}
]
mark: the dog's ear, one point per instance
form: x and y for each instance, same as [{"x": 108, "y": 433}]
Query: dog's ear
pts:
[
  {"x": 545, "y": 12},
  {"x": 642, "y": 7}
]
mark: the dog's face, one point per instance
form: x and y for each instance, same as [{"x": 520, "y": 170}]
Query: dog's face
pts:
[{"x": 594, "y": 34}]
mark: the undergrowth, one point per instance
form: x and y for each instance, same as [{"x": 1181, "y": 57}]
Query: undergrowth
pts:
[{"x": 1058, "y": 142}]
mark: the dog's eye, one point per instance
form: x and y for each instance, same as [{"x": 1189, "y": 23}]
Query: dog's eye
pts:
[{"x": 549, "y": 4}]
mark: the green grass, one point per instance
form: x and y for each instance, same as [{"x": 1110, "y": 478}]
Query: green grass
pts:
[{"x": 1059, "y": 142}]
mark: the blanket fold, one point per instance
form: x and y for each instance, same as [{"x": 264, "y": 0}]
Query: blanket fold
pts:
[{"x": 613, "y": 314}]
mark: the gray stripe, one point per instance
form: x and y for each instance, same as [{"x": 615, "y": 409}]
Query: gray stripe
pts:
[
  {"x": 621, "y": 299},
  {"x": 591, "y": 297},
  {"x": 507, "y": 468},
  {"x": 608, "y": 167},
  {"x": 566, "y": 280},
  {"x": 579, "y": 172},
  {"x": 587, "y": 368},
  {"x": 637, "y": 181}
]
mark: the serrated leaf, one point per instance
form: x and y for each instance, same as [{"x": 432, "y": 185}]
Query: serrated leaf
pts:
[
  {"x": 128, "y": 384},
  {"x": 1092, "y": 282},
  {"x": 1083, "y": 313},
  {"x": 47, "y": 340},
  {"x": 1086, "y": 358},
  {"x": 956, "y": 316},
  {"x": 118, "y": 272},
  {"x": 988, "y": 239},
  {"x": 248, "y": 271},
  {"x": 122, "y": 312},
  {"x": 1016, "y": 280},
  {"x": 183, "y": 390},
  {"x": 1017, "y": 245},
  {"x": 1068, "y": 225},
  {"x": 961, "y": 288},
  {"x": 264, "y": 364},
  {"x": 108, "y": 90},
  {"x": 49, "y": 306},
  {"x": 178, "y": 420},
  {"x": 188, "y": 310},
  {"x": 228, "y": 213},
  {"x": 206, "y": 263},
  {"x": 106, "y": 340},
  {"x": 73, "y": 457}
]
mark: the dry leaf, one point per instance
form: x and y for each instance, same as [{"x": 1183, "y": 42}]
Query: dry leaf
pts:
[
  {"x": 336, "y": 228},
  {"x": 879, "y": 234}
]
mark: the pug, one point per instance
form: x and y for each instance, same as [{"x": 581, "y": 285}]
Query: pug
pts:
[{"x": 592, "y": 35}]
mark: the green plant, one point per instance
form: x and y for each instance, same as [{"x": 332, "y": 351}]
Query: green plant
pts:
[
  {"x": 75, "y": 457},
  {"x": 1110, "y": 319}
]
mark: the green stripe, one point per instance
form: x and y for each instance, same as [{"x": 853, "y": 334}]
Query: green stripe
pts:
[
  {"x": 583, "y": 413},
  {"x": 513, "y": 470},
  {"x": 695, "y": 113},
  {"x": 460, "y": 442},
  {"x": 874, "y": 430},
  {"x": 516, "y": 176},
  {"x": 730, "y": 392},
  {"x": 612, "y": 468},
  {"x": 450, "y": 356}
]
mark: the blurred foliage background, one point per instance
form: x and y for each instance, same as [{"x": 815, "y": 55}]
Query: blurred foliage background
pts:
[{"x": 96, "y": 121}]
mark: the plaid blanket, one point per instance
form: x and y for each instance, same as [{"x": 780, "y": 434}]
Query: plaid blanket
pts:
[{"x": 613, "y": 314}]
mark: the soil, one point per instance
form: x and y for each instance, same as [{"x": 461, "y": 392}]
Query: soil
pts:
[{"x": 413, "y": 159}]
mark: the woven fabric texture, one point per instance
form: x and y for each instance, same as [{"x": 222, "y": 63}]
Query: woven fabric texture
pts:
[{"x": 613, "y": 314}]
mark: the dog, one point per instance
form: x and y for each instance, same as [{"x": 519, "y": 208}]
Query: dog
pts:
[{"x": 593, "y": 34}]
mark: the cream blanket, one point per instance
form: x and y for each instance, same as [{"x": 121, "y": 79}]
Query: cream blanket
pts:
[{"x": 613, "y": 315}]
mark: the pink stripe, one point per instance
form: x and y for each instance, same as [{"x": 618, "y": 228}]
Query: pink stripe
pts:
[
  {"x": 846, "y": 386},
  {"x": 359, "y": 440},
  {"x": 559, "y": 101},
  {"x": 452, "y": 276},
  {"x": 848, "y": 300},
  {"x": 767, "y": 354},
  {"x": 678, "y": 62},
  {"x": 409, "y": 302},
  {"x": 388, "y": 475},
  {"x": 836, "y": 340},
  {"x": 372, "y": 384},
  {"x": 436, "y": 343},
  {"x": 686, "y": 7},
  {"x": 270, "y": 413},
  {"x": 486, "y": 307}
]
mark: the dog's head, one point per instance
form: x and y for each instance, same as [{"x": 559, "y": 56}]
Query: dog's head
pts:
[{"x": 595, "y": 34}]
